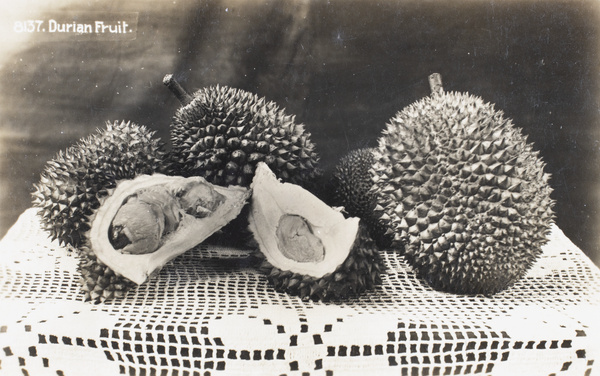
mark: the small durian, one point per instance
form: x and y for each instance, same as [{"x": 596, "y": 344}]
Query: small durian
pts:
[
  {"x": 221, "y": 133},
  {"x": 351, "y": 185},
  {"x": 463, "y": 190},
  {"x": 73, "y": 183},
  {"x": 309, "y": 249}
]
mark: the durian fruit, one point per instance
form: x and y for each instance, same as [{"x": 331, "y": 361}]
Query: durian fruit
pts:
[
  {"x": 351, "y": 185},
  {"x": 221, "y": 133},
  {"x": 309, "y": 249},
  {"x": 149, "y": 220},
  {"x": 106, "y": 198},
  {"x": 73, "y": 183},
  {"x": 461, "y": 187}
]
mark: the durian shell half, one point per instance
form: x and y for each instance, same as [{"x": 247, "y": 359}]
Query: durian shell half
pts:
[
  {"x": 271, "y": 199},
  {"x": 190, "y": 232}
]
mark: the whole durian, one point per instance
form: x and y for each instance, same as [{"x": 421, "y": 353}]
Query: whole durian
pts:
[
  {"x": 309, "y": 249},
  {"x": 73, "y": 183},
  {"x": 221, "y": 133},
  {"x": 352, "y": 185},
  {"x": 463, "y": 190}
]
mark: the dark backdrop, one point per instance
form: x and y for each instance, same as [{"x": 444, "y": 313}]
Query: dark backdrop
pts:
[{"x": 343, "y": 67}]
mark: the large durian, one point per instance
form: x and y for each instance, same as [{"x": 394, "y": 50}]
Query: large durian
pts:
[
  {"x": 351, "y": 186},
  {"x": 221, "y": 133},
  {"x": 76, "y": 179},
  {"x": 308, "y": 248},
  {"x": 461, "y": 187}
]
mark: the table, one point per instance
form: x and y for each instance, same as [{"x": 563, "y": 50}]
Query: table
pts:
[{"x": 209, "y": 312}]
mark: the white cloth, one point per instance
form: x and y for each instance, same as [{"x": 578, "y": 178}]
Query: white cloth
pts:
[{"x": 208, "y": 312}]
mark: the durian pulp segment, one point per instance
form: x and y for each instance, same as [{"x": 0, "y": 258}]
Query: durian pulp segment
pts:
[
  {"x": 190, "y": 232},
  {"x": 272, "y": 200},
  {"x": 143, "y": 219}
]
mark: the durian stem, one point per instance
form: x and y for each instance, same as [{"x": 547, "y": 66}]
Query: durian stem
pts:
[
  {"x": 435, "y": 83},
  {"x": 183, "y": 96}
]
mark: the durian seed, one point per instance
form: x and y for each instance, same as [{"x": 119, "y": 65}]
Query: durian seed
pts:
[{"x": 297, "y": 241}]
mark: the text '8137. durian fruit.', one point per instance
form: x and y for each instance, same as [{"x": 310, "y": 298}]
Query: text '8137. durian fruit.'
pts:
[
  {"x": 459, "y": 184},
  {"x": 309, "y": 249},
  {"x": 221, "y": 133}
]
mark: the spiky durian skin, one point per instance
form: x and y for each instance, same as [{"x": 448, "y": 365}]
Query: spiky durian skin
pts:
[
  {"x": 99, "y": 283},
  {"x": 351, "y": 185},
  {"x": 73, "y": 183},
  {"x": 361, "y": 271},
  {"x": 459, "y": 184},
  {"x": 224, "y": 132}
]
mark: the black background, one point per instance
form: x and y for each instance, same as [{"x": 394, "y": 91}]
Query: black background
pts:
[{"x": 343, "y": 67}]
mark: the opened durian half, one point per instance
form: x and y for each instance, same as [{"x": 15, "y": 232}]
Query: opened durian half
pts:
[
  {"x": 124, "y": 228},
  {"x": 310, "y": 249},
  {"x": 152, "y": 219},
  {"x": 77, "y": 178}
]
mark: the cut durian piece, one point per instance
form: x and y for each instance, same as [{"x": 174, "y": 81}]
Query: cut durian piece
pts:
[
  {"x": 310, "y": 249},
  {"x": 152, "y": 219}
]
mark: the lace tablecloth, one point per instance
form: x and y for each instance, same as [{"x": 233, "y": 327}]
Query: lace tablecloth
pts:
[{"x": 210, "y": 313}]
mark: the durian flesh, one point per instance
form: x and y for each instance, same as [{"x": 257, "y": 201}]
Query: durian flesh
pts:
[
  {"x": 151, "y": 219},
  {"x": 310, "y": 249}
]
